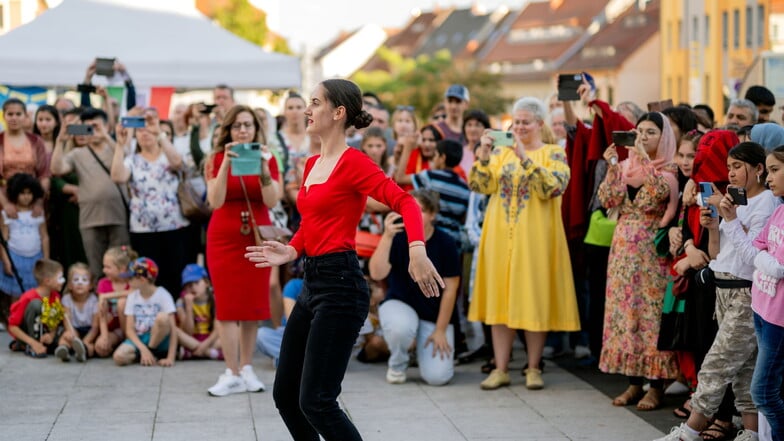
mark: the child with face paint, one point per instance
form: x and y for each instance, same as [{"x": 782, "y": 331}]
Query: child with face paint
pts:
[{"x": 81, "y": 305}]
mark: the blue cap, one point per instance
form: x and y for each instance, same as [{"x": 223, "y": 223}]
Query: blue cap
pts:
[
  {"x": 193, "y": 273},
  {"x": 457, "y": 91}
]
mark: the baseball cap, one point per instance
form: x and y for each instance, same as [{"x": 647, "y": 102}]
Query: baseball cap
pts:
[
  {"x": 193, "y": 273},
  {"x": 144, "y": 267},
  {"x": 457, "y": 91}
]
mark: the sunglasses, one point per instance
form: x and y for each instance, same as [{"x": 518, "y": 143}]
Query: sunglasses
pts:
[
  {"x": 406, "y": 108},
  {"x": 439, "y": 116}
]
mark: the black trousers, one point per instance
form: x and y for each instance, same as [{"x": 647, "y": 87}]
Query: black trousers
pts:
[
  {"x": 169, "y": 250},
  {"x": 317, "y": 343}
]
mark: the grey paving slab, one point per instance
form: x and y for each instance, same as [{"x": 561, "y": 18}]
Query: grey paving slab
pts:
[{"x": 52, "y": 401}]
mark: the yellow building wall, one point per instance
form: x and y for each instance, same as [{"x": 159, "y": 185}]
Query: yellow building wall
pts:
[{"x": 700, "y": 70}]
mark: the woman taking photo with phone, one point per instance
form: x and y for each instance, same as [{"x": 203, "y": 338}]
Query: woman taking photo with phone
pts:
[
  {"x": 329, "y": 313},
  {"x": 241, "y": 291},
  {"x": 523, "y": 274},
  {"x": 645, "y": 188}
]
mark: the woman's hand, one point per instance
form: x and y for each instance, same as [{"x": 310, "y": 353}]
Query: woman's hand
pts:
[
  {"x": 690, "y": 193},
  {"x": 682, "y": 266},
  {"x": 485, "y": 147},
  {"x": 440, "y": 344},
  {"x": 152, "y": 124},
  {"x": 676, "y": 239},
  {"x": 123, "y": 135},
  {"x": 270, "y": 253},
  {"x": 423, "y": 272},
  {"x": 727, "y": 208},
  {"x": 707, "y": 221},
  {"x": 390, "y": 227},
  {"x": 696, "y": 257},
  {"x": 639, "y": 148},
  {"x": 611, "y": 155}
]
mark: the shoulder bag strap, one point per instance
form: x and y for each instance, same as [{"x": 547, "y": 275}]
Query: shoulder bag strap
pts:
[
  {"x": 256, "y": 233},
  {"x": 97, "y": 159}
]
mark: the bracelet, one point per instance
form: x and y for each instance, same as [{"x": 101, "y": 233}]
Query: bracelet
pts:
[
  {"x": 265, "y": 180},
  {"x": 417, "y": 243}
]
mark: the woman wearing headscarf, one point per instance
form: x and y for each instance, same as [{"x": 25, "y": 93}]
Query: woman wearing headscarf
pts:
[
  {"x": 645, "y": 189},
  {"x": 768, "y": 135}
]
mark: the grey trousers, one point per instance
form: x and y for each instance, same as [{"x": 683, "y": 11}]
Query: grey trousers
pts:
[{"x": 97, "y": 240}]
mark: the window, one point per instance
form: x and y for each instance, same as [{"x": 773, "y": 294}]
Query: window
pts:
[
  {"x": 725, "y": 31},
  {"x": 669, "y": 86},
  {"x": 695, "y": 24},
  {"x": 610, "y": 95},
  {"x": 736, "y": 28},
  {"x": 679, "y": 96},
  {"x": 749, "y": 27},
  {"x": 706, "y": 87},
  {"x": 669, "y": 35},
  {"x": 761, "y": 25},
  {"x": 682, "y": 36},
  {"x": 707, "y": 30}
]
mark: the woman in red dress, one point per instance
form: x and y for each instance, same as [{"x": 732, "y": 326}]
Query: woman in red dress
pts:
[
  {"x": 241, "y": 291},
  {"x": 325, "y": 322}
]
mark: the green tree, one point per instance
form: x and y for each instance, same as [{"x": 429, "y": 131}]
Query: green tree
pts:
[
  {"x": 242, "y": 19},
  {"x": 421, "y": 82}
]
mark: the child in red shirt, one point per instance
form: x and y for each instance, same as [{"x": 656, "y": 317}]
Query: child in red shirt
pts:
[{"x": 38, "y": 322}]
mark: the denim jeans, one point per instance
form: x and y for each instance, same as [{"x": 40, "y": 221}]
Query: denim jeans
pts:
[
  {"x": 317, "y": 343},
  {"x": 767, "y": 381},
  {"x": 401, "y": 326}
]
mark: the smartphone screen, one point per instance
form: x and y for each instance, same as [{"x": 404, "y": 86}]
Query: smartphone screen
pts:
[
  {"x": 622, "y": 138},
  {"x": 134, "y": 122}
]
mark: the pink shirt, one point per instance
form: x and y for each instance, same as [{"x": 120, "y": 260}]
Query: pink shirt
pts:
[{"x": 767, "y": 293}]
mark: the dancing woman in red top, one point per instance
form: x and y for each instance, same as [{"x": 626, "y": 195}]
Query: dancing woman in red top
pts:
[{"x": 325, "y": 322}]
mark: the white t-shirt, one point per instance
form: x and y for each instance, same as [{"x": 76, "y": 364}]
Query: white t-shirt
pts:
[
  {"x": 154, "y": 203},
  {"x": 81, "y": 318},
  {"x": 144, "y": 310},
  {"x": 752, "y": 216},
  {"x": 24, "y": 236}
]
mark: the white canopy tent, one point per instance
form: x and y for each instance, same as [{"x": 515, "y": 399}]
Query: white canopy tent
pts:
[{"x": 162, "y": 43}]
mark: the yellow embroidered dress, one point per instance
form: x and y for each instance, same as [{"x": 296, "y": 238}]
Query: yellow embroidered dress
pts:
[{"x": 523, "y": 275}]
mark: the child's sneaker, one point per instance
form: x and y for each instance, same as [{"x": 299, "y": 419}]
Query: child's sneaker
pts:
[
  {"x": 252, "y": 382},
  {"x": 80, "y": 351},
  {"x": 62, "y": 353},
  {"x": 395, "y": 377},
  {"x": 227, "y": 384}
]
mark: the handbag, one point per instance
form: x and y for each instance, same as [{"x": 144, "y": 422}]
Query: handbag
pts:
[
  {"x": 601, "y": 227},
  {"x": 366, "y": 242},
  {"x": 192, "y": 203},
  {"x": 263, "y": 232}
]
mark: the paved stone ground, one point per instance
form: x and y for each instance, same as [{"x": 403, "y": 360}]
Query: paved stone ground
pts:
[{"x": 50, "y": 400}]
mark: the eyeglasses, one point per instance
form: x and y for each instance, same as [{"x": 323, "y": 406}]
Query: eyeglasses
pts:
[
  {"x": 239, "y": 126},
  {"x": 438, "y": 116},
  {"x": 80, "y": 280},
  {"x": 406, "y": 108}
]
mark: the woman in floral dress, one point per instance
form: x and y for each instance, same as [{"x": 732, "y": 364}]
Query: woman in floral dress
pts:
[{"x": 646, "y": 191}]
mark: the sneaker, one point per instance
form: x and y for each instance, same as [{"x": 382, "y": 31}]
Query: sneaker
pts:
[
  {"x": 747, "y": 435},
  {"x": 62, "y": 353},
  {"x": 548, "y": 353},
  {"x": 395, "y": 377},
  {"x": 533, "y": 379},
  {"x": 2, "y": 327},
  {"x": 676, "y": 388},
  {"x": 80, "y": 351},
  {"x": 496, "y": 379},
  {"x": 680, "y": 433},
  {"x": 252, "y": 382},
  {"x": 227, "y": 384},
  {"x": 581, "y": 352}
]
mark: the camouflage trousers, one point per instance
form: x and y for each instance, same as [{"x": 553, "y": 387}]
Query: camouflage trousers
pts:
[{"x": 732, "y": 356}]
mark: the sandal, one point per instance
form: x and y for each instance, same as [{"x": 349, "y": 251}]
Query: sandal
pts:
[
  {"x": 631, "y": 395},
  {"x": 719, "y": 431},
  {"x": 489, "y": 366},
  {"x": 651, "y": 401},
  {"x": 684, "y": 411}
]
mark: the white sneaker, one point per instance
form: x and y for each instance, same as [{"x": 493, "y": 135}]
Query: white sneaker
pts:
[
  {"x": 679, "y": 433},
  {"x": 747, "y": 435},
  {"x": 62, "y": 353},
  {"x": 395, "y": 377},
  {"x": 252, "y": 382},
  {"x": 227, "y": 384},
  {"x": 581, "y": 352},
  {"x": 548, "y": 353},
  {"x": 80, "y": 352},
  {"x": 676, "y": 388},
  {"x": 2, "y": 327}
]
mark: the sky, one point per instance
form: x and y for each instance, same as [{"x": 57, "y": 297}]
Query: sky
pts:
[{"x": 314, "y": 23}]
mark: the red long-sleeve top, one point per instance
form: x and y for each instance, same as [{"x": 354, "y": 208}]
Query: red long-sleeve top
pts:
[{"x": 331, "y": 210}]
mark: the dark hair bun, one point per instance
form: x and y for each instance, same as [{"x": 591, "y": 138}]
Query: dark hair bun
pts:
[{"x": 362, "y": 120}]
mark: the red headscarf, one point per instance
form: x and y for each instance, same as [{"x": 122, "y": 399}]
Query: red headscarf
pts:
[{"x": 710, "y": 165}]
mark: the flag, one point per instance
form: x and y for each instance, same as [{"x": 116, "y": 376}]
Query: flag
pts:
[
  {"x": 160, "y": 98},
  {"x": 118, "y": 93}
]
